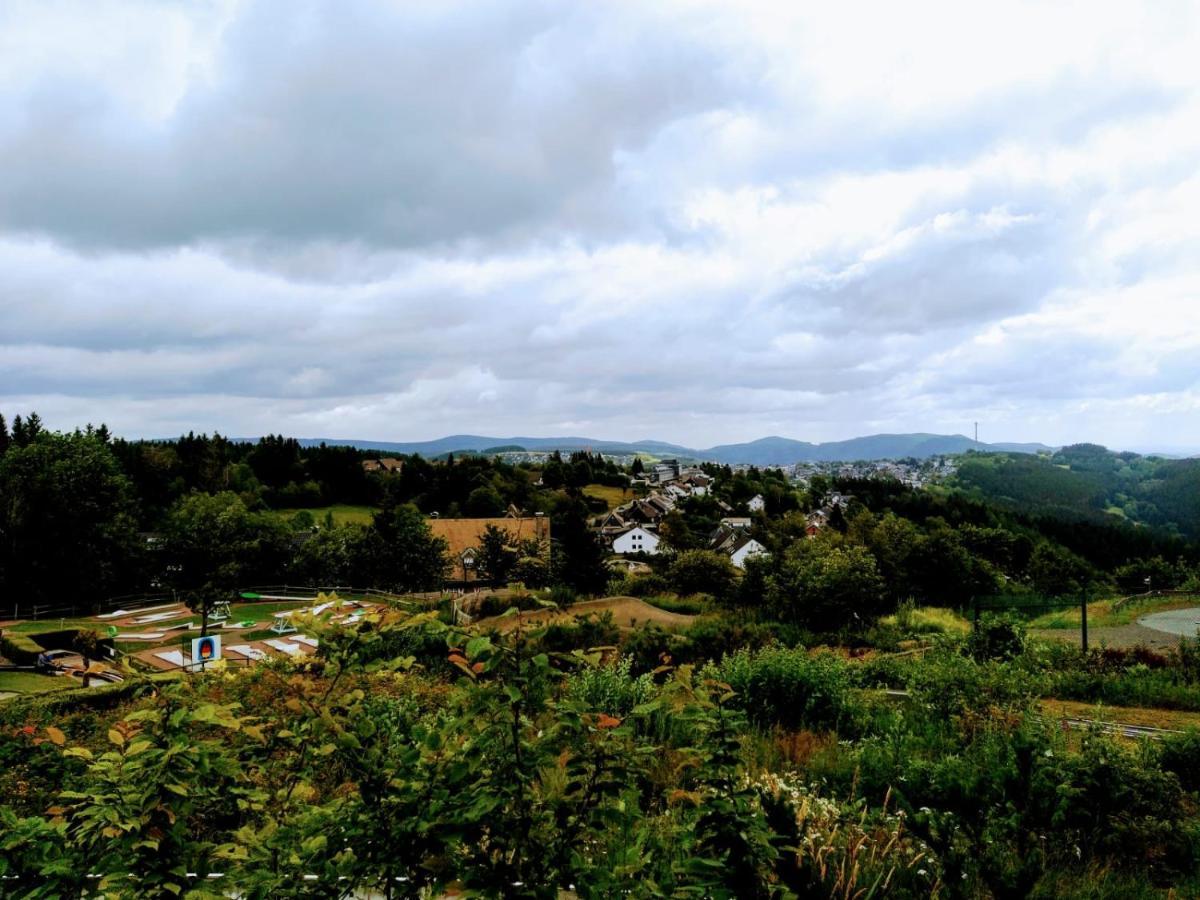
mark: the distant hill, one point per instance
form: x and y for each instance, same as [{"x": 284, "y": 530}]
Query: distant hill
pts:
[
  {"x": 768, "y": 451},
  {"x": 472, "y": 442},
  {"x": 1087, "y": 481},
  {"x": 784, "y": 451}
]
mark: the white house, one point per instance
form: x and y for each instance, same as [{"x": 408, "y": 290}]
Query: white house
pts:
[
  {"x": 756, "y": 503},
  {"x": 636, "y": 540},
  {"x": 744, "y": 549}
]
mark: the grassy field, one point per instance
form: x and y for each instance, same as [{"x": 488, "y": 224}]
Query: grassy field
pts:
[
  {"x": 613, "y": 496},
  {"x": 44, "y": 625},
  {"x": 31, "y": 682},
  {"x": 342, "y": 515},
  {"x": 1102, "y": 614}
]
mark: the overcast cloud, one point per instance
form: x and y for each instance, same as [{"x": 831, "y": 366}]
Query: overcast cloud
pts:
[{"x": 698, "y": 222}]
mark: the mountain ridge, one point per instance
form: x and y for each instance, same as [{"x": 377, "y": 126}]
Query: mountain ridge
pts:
[{"x": 770, "y": 450}]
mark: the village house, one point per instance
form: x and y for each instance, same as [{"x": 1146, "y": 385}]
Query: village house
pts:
[
  {"x": 756, "y": 503},
  {"x": 636, "y": 540},
  {"x": 386, "y": 464},
  {"x": 744, "y": 548},
  {"x": 736, "y": 543}
]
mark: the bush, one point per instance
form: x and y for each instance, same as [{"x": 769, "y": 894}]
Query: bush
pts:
[
  {"x": 584, "y": 633},
  {"x": 688, "y": 606},
  {"x": 1180, "y": 753},
  {"x": 653, "y": 646},
  {"x": 997, "y": 637},
  {"x": 19, "y": 649},
  {"x": 702, "y": 571},
  {"x": 645, "y": 585},
  {"x": 712, "y": 638},
  {"x": 494, "y": 604},
  {"x": 790, "y": 688},
  {"x": 949, "y": 684},
  {"x": 610, "y": 689}
]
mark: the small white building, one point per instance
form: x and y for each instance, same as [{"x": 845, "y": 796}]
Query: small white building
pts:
[
  {"x": 756, "y": 503},
  {"x": 744, "y": 549},
  {"x": 636, "y": 540}
]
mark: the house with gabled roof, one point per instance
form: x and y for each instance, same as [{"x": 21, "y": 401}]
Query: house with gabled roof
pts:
[
  {"x": 743, "y": 549},
  {"x": 636, "y": 540}
]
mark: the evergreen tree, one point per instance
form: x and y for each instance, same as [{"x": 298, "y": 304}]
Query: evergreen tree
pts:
[
  {"x": 67, "y": 529},
  {"x": 578, "y": 559},
  {"x": 5, "y": 440}
]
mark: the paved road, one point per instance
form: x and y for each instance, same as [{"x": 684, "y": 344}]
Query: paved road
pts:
[{"x": 1174, "y": 621}]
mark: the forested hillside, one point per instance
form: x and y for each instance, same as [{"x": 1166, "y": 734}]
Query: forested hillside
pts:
[{"x": 1087, "y": 481}]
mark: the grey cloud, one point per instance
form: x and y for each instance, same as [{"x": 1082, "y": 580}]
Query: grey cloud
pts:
[
  {"x": 395, "y": 221},
  {"x": 395, "y": 126}
]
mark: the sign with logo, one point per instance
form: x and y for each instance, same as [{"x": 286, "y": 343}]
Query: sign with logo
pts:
[{"x": 206, "y": 649}]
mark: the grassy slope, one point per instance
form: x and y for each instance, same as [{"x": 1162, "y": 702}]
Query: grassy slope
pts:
[
  {"x": 1101, "y": 613},
  {"x": 613, "y": 496},
  {"x": 342, "y": 514},
  {"x": 30, "y": 682}
]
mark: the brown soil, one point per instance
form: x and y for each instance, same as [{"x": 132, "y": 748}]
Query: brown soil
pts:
[
  {"x": 1112, "y": 636},
  {"x": 627, "y": 612}
]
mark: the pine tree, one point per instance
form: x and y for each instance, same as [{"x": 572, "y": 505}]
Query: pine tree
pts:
[
  {"x": 5, "y": 440},
  {"x": 33, "y": 427}
]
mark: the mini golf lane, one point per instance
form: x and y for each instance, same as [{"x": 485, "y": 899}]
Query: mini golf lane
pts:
[{"x": 1174, "y": 621}]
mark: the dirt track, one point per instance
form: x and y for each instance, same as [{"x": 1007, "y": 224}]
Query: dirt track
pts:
[
  {"x": 627, "y": 612},
  {"x": 1112, "y": 636}
]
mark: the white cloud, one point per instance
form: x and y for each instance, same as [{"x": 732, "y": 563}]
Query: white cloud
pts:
[{"x": 699, "y": 222}]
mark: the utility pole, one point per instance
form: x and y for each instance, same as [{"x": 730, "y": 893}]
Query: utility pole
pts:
[{"x": 977, "y": 432}]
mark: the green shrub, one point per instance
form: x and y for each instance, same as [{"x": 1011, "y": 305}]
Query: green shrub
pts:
[
  {"x": 997, "y": 637},
  {"x": 587, "y": 631},
  {"x": 19, "y": 649},
  {"x": 610, "y": 689},
  {"x": 950, "y": 684},
  {"x": 646, "y": 585},
  {"x": 1180, "y": 753},
  {"x": 693, "y": 605},
  {"x": 712, "y": 637},
  {"x": 790, "y": 688},
  {"x": 654, "y": 646}
]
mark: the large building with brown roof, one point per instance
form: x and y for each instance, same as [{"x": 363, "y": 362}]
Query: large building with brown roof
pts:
[{"x": 463, "y": 537}]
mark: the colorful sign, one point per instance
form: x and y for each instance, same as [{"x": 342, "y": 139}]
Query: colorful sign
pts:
[{"x": 206, "y": 649}]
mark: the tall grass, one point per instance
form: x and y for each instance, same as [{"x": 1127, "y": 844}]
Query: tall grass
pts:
[{"x": 913, "y": 619}]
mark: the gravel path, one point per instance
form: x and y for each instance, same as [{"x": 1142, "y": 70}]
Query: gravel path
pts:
[{"x": 1112, "y": 636}]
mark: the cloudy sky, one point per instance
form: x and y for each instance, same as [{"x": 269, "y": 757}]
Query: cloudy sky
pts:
[{"x": 698, "y": 222}]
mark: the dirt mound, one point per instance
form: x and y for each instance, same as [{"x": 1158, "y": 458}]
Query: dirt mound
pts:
[{"x": 627, "y": 612}]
